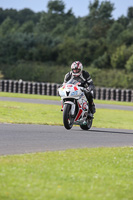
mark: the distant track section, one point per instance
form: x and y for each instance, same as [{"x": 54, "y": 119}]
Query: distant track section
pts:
[{"x": 41, "y": 101}]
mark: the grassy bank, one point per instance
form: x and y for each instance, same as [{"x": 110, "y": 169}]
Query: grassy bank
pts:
[
  {"x": 100, "y": 173},
  {"x": 15, "y": 112}
]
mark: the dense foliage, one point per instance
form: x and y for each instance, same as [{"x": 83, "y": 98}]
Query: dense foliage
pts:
[{"x": 41, "y": 46}]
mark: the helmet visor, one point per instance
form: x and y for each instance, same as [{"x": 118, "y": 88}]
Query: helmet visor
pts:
[{"x": 75, "y": 71}]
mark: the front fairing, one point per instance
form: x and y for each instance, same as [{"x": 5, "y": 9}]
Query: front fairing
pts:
[
  {"x": 72, "y": 92},
  {"x": 70, "y": 89}
]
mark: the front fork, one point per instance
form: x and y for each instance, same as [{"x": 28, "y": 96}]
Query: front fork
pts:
[{"x": 73, "y": 107}]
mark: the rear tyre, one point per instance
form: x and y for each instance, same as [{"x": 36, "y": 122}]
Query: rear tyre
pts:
[
  {"x": 88, "y": 125},
  {"x": 68, "y": 120}
]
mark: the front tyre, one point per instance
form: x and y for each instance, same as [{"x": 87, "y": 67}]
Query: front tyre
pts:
[
  {"x": 88, "y": 124},
  {"x": 68, "y": 120}
]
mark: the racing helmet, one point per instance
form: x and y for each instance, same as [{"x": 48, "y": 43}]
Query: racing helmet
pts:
[{"x": 76, "y": 68}]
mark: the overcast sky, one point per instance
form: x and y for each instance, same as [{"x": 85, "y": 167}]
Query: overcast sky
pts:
[{"x": 79, "y": 7}]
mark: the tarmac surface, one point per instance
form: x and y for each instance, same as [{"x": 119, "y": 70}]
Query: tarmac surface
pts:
[
  {"x": 41, "y": 101},
  {"x": 25, "y": 138}
]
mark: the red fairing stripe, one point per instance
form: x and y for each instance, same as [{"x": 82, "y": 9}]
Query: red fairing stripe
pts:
[
  {"x": 64, "y": 86},
  {"x": 69, "y": 85},
  {"x": 79, "y": 113},
  {"x": 75, "y": 88}
]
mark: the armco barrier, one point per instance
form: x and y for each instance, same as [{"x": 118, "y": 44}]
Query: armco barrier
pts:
[{"x": 51, "y": 89}]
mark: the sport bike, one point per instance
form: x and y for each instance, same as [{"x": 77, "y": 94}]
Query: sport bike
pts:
[{"x": 75, "y": 106}]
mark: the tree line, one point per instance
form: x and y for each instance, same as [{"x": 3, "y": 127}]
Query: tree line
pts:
[{"x": 41, "y": 46}]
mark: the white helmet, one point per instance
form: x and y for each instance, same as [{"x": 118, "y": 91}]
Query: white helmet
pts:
[{"x": 76, "y": 68}]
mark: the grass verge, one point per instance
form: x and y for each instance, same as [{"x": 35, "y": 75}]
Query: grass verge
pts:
[
  {"x": 15, "y": 112},
  {"x": 29, "y": 96},
  {"x": 100, "y": 173}
]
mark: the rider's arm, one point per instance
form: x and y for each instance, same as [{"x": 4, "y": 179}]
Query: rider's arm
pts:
[
  {"x": 67, "y": 77},
  {"x": 89, "y": 81}
]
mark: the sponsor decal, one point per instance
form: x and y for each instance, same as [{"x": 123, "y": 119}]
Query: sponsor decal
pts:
[{"x": 74, "y": 93}]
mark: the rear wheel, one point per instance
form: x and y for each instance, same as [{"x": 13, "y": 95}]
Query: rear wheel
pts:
[
  {"x": 68, "y": 120},
  {"x": 87, "y": 125}
]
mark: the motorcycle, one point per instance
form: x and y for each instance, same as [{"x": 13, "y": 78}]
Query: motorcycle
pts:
[{"x": 75, "y": 106}]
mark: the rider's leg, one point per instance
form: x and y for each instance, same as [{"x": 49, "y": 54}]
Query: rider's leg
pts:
[{"x": 89, "y": 97}]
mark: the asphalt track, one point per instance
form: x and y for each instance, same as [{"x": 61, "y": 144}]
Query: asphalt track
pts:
[
  {"x": 22, "y": 138},
  {"x": 42, "y": 101}
]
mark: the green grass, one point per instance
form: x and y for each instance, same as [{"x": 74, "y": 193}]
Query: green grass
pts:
[
  {"x": 57, "y": 98},
  {"x": 15, "y": 112},
  {"x": 89, "y": 174},
  {"x": 119, "y": 119},
  {"x": 29, "y": 96}
]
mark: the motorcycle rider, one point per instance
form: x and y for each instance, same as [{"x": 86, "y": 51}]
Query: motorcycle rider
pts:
[{"x": 85, "y": 79}]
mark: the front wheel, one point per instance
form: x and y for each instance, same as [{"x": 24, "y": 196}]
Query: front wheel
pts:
[
  {"x": 68, "y": 120},
  {"x": 87, "y": 125}
]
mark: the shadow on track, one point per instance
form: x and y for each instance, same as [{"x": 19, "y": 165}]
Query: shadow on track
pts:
[
  {"x": 107, "y": 131},
  {"x": 117, "y": 132}
]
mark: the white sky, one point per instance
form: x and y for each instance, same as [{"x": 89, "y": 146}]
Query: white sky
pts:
[{"x": 79, "y": 7}]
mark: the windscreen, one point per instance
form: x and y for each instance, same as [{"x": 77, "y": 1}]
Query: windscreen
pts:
[
  {"x": 76, "y": 80},
  {"x": 72, "y": 81}
]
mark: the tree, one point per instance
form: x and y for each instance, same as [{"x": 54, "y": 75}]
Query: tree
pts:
[
  {"x": 11, "y": 13},
  {"x": 56, "y": 6},
  {"x": 126, "y": 37},
  {"x": 123, "y": 21},
  {"x": 114, "y": 31},
  {"x": 130, "y": 13},
  {"x": 2, "y": 15},
  {"x": 102, "y": 11},
  {"x": 121, "y": 56},
  {"x": 102, "y": 62},
  {"x": 49, "y": 21},
  {"x": 68, "y": 51},
  {"x": 99, "y": 19},
  {"x": 129, "y": 64},
  {"x": 27, "y": 27},
  {"x": 56, "y": 22},
  {"x": 8, "y": 26},
  {"x": 25, "y": 15}
]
